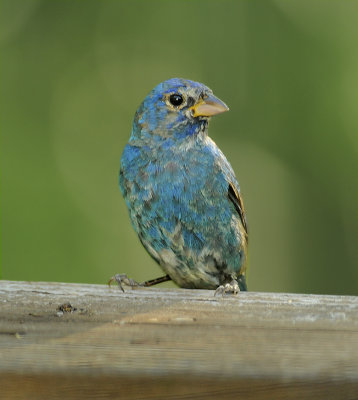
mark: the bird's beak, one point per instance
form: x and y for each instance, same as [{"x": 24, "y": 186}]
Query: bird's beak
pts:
[{"x": 209, "y": 106}]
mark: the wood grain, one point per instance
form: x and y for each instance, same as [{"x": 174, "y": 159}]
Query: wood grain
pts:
[{"x": 174, "y": 343}]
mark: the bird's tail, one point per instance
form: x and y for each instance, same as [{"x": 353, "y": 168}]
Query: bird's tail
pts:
[{"x": 241, "y": 280}]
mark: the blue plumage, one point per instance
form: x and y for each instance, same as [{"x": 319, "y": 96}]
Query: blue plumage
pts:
[{"x": 181, "y": 192}]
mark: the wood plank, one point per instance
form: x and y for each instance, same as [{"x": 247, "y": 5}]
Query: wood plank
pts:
[{"x": 175, "y": 343}]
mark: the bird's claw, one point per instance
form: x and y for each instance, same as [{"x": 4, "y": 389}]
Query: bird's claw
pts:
[
  {"x": 123, "y": 279},
  {"x": 232, "y": 287}
]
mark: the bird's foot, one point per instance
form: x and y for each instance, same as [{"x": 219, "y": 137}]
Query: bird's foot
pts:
[
  {"x": 123, "y": 279},
  {"x": 232, "y": 287}
]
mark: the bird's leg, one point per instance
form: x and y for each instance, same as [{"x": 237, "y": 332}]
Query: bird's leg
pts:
[
  {"x": 232, "y": 287},
  {"x": 123, "y": 279},
  {"x": 153, "y": 282}
]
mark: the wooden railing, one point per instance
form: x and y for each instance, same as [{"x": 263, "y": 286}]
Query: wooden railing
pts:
[{"x": 63, "y": 341}]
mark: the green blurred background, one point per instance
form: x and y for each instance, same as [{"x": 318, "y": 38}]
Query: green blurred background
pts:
[{"x": 73, "y": 74}]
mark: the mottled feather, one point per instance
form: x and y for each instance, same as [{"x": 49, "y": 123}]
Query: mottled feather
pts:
[{"x": 182, "y": 195}]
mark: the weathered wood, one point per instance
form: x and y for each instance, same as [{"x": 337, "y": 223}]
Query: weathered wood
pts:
[{"x": 177, "y": 343}]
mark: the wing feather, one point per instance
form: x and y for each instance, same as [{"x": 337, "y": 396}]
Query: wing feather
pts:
[{"x": 235, "y": 198}]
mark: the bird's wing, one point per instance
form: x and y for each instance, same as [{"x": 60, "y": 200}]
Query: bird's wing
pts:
[
  {"x": 235, "y": 198},
  {"x": 233, "y": 189}
]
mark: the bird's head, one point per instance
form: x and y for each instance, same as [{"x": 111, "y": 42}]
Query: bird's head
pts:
[{"x": 176, "y": 108}]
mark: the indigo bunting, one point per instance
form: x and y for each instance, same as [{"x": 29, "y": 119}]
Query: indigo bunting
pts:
[{"x": 183, "y": 198}]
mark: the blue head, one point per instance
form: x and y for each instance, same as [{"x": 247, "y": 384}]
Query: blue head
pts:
[{"x": 176, "y": 108}]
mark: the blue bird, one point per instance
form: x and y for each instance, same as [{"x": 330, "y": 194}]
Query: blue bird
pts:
[{"x": 183, "y": 198}]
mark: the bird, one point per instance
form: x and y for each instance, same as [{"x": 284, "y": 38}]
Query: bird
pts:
[{"x": 182, "y": 195}]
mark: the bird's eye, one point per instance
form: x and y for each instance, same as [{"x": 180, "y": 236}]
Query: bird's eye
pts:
[{"x": 176, "y": 99}]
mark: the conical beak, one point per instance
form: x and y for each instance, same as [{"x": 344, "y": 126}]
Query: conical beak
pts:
[{"x": 208, "y": 107}]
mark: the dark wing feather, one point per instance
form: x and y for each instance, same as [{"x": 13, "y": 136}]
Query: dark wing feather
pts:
[{"x": 236, "y": 200}]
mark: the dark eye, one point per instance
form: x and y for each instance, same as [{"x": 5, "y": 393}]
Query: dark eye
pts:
[{"x": 176, "y": 99}]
